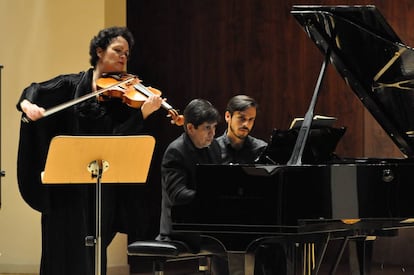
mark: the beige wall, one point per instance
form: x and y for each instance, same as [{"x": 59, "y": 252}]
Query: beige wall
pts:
[{"x": 40, "y": 39}]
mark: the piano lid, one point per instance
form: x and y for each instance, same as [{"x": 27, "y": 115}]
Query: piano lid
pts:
[{"x": 373, "y": 61}]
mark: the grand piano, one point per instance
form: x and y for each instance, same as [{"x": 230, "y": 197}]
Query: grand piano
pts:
[{"x": 306, "y": 203}]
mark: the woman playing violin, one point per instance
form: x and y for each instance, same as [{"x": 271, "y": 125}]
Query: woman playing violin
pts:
[{"x": 68, "y": 210}]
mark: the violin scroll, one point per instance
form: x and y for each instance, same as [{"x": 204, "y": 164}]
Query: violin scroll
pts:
[{"x": 176, "y": 118}]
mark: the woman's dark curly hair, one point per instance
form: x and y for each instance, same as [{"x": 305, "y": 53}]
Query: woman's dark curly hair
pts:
[{"x": 105, "y": 37}]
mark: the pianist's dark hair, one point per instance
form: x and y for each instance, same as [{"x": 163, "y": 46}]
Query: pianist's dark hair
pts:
[
  {"x": 199, "y": 111},
  {"x": 240, "y": 103}
]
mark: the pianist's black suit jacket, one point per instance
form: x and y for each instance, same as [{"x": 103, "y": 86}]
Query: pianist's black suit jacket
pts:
[{"x": 178, "y": 173}]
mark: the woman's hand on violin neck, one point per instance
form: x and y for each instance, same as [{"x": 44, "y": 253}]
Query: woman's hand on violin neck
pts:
[
  {"x": 32, "y": 111},
  {"x": 150, "y": 105}
]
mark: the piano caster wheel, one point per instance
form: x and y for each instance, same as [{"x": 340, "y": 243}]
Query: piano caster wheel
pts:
[{"x": 387, "y": 175}]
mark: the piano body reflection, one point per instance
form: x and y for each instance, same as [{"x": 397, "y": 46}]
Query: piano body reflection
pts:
[{"x": 313, "y": 203}]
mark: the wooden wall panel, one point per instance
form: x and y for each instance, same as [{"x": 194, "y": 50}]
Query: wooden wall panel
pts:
[{"x": 215, "y": 49}]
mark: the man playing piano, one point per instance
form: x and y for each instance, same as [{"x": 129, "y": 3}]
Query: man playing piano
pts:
[
  {"x": 239, "y": 147},
  {"x": 196, "y": 145}
]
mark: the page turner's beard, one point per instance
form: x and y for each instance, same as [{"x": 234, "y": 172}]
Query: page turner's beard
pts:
[{"x": 240, "y": 136}]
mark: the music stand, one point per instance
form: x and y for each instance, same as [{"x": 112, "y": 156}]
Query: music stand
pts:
[{"x": 85, "y": 159}]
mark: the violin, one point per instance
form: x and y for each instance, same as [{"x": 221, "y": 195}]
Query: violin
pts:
[
  {"x": 133, "y": 93},
  {"x": 124, "y": 86}
]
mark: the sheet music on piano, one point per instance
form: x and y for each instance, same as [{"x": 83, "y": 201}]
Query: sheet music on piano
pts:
[
  {"x": 319, "y": 148},
  {"x": 317, "y": 122}
]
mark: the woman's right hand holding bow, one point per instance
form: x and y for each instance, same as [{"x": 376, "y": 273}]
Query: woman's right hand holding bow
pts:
[{"x": 32, "y": 111}]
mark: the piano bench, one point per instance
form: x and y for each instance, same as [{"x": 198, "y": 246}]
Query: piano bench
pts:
[{"x": 162, "y": 251}]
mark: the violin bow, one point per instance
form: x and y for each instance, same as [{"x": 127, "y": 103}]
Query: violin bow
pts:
[{"x": 75, "y": 101}]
